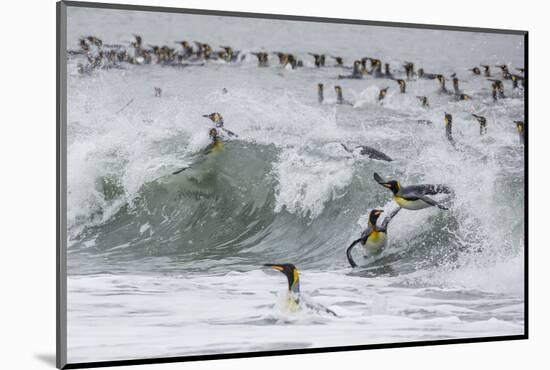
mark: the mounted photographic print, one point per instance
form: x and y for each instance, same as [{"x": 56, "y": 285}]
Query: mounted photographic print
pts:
[{"x": 236, "y": 184}]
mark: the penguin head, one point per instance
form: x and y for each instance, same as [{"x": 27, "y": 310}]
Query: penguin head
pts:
[
  {"x": 448, "y": 119},
  {"x": 441, "y": 79},
  {"x": 215, "y": 117},
  {"x": 393, "y": 185},
  {"x": 291, "y": 273},
  {"x": 338, "y": 89},
  {"x": 374, "y": 215},
  {"x": 480, "y": 119},
  {"x": 213, "y": 133},
  {"x": 320, "y": 87}
]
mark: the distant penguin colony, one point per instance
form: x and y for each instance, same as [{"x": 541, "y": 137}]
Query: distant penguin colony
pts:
[{"x": 412, "y": 197}]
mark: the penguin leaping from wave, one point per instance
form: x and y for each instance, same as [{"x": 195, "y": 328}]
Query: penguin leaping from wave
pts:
[
  {"x": 374, "y": 238},
  {"x": 216, "y": 145},
  {"x": 218, "y": 121},
  {"x": 414, "y": 197}
]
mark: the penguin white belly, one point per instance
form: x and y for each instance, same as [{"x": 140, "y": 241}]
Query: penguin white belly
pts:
[
  {"x": 376, "y": 242},
  {"x": 412, "y": 205}
]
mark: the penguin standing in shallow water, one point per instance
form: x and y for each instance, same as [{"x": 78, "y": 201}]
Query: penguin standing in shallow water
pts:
[
  {"x": 374, "y": 238},
  {"x": 294, "y": 301},
  {"x": 482, "y": 124},
  {"x": 414, "y": 197}
]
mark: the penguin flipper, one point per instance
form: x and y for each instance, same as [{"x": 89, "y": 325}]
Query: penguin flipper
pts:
[
  {"x": 346, "y": 148},
  {"x": 229, "y": 132},
  {"x": 432, "y": 202},
  {"x": 348, "y": 252},
  {"x": 430, "y": 189},
  {"x": 179, "y": 171},
  {"x": 378, "y": 179},
  {"x": 389, "y": 217},
  {"x": 373, "y": 153}
]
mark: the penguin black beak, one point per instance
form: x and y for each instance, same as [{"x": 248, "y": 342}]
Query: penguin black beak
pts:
[
  {"x": 274, "y": 267},
  {"x": 379, "y": 179}
]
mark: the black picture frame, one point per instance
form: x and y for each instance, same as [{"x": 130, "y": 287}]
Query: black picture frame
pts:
[{"x": 61, "y": 186}]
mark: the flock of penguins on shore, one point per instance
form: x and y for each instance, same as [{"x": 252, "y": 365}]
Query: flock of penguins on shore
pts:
[{"x": 413, "y": 197}]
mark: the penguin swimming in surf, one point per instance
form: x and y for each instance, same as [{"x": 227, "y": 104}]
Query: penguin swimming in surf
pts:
[
  {"x": 442, "y": 88},
  {"x": 339, "y": 61},
  {"x": 515, "y": 79},
  {"x": 409, "y": 70},
  {"x": 414, "y": 197},
  {"x": 263, "y": 60},
  {"x": 459, "y": 95},
  {"x": 505, "y": 72},
  {"x": 369, "y": 152},
  {"x": 187, "y": 49},
  {"x": 402, "y": 86},
  {"x": 520, "y": 126},
  {"x": 374, "y": 239},
  {"x": 356, "y": 74},
  {"x": 426, "y": 76},
  {"x": 497, "y": 89},
  {"x": 382, "y": 93},
  {"x": 455, "y": 84},
  {"x": 376, "y": 68},
  {"x": 424, "y": 101},
  {"x": 217, "y": 119},
  {"x": 294, "y": 300},
  {"x": 475, "y": 71},
  {"x": 339, "y": 98},
  {"x": 231, "y": 55},
  {"x": 449, "y": 127},
  {"x": 482, "y": 124},
  {"x": 320, "y": 95},
  {"x": 319, "y": 59}
]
